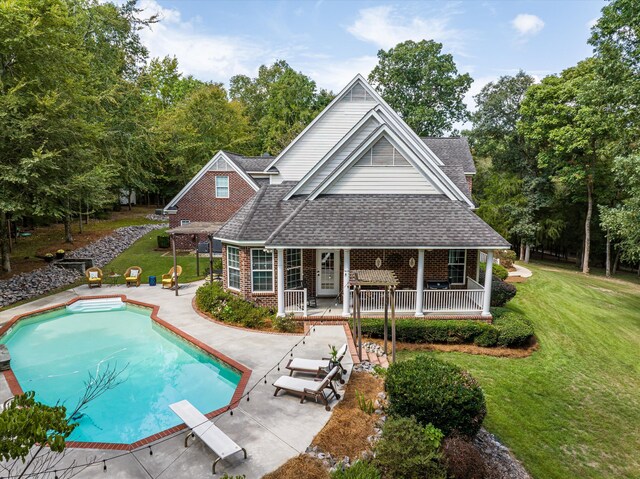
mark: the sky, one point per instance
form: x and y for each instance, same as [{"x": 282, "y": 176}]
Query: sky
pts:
[{"x": 332, "y": 40}]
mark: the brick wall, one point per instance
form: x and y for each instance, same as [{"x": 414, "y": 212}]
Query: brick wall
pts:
[
  {"x": 470, "y": 182},
  {"x": 200, "y": 204},
  {"x": 263, "y": 299}
]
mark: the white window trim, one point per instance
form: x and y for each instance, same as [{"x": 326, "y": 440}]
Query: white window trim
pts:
[
  {"x": 272, "y": 290},
  {"x": 229, "y": 268},
  {"x": 228, "y": 186},
  {"x": 464, "y": 271},
  {"x": 185, "y": 222},
  {"x": 286, "y": 274}
]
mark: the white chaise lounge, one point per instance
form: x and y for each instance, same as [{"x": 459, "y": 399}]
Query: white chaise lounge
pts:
[
  {"x": 309, "y": 388},
  {"x": 315, "y": 366},
  {"x": 200, "y": 426}
]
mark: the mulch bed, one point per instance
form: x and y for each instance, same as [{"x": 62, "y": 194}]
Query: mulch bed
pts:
[
  {"x": 468, "y": 348},
  {"x": 300, "y": 467}
]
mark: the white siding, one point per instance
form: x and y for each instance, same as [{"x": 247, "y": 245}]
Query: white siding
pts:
[
  {"x": 339, "y": 156},
  {"x": 382, "y": 180},
  {"x": 319, "y": 139}
]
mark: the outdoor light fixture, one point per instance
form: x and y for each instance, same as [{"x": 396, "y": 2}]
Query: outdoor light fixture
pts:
[
  {"x": 378, "y": 262},
  {"x": 412, "y": 262}
]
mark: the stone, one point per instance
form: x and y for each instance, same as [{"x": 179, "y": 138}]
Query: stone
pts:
[{"x": 5, "y": 358}]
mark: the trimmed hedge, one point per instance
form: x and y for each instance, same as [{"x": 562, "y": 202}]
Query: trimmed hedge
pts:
[
  {"x": 514, "y": 331},
  {"x": 498, "y": 271},
  {"x": 437, "y": 393},
  {"x": 501, "y": 292}
]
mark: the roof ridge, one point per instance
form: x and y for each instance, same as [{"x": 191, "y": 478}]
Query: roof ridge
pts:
[
  {"x": 288, "y": 220},
  {"x": 252, "y": 209}
]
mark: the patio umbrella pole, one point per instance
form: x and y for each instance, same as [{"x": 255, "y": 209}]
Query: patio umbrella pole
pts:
[
  {"x": 175, "y": 262},
  {"x": 211, "y": 259}
]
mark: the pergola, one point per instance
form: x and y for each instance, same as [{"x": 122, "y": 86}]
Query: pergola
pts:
[
  {"x": 192, "y": 229},
  {"x": 375, "y": 278}
]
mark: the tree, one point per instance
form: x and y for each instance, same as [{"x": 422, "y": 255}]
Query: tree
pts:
[
  {"x": 423, "y": 85},
  {"x": 514, "y": 193},
  {"x": 565, "y": 119},
  {"x": 279, "y": 103},
  {"x": 188, "y": 134}
]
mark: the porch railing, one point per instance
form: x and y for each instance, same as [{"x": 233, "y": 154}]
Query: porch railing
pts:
[
  {"x": 295, "y": 301},
  {"x": 434, "y": 300}
]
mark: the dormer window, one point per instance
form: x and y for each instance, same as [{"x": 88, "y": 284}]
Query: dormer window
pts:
[{"x": 382, "y": 153}]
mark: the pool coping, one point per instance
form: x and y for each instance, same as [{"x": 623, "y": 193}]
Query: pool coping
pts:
[{"x": 16, "y": 389}]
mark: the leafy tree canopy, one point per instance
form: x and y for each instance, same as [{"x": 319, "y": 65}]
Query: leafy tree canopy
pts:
[{"x": 423, "y": 85}]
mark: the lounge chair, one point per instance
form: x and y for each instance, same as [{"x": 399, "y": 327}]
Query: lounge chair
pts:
[
  {"x": 309, "y": 388},
  {"x": 133, "y": 275},
  {"x": 216, "y": 440},
  {"x": 94, "y": 277},
  {"x": 315, "y": 366},
  {"x": 169, "y": 279}
]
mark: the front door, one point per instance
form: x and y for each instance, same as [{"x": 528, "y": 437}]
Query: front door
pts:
[{"x": 327, "y": 272}]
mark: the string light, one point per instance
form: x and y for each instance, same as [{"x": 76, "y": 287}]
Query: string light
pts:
[
  {"x": 104, "y": 468},
  {"x": 150, "y": 451}
]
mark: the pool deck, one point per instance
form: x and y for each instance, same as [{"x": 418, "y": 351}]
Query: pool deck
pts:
[{"x": 272, "y": 429}]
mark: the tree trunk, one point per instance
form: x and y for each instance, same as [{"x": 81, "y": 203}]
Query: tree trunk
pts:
[
  {"x": 129, "y": 199},
  {"x": 587, "y": 226},
  {"x": 68, "y": 237},
  {"x": 527, "y": 253},
  {"x": 86, "y": 221},
  {"x": 4, "y": 243},
  {"x": 607, "y": 267},
  {"x": 80, "y": 215},
  {"x": 521, "y": 250},
  {"x": 616, "y": 262}
]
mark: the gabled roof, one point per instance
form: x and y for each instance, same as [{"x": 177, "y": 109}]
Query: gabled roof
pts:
[
  {"x": 251, "y": 164},
  {"x": 453, "y": 151},
  {"x": 220, "y": 155}
]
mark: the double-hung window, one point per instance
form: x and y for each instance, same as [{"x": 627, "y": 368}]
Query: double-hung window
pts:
[
  {"x": 457, "y": 265},
  {"x": 222, "y": 187},
  {"x": 261, "y": 271},
  {"x": 233, "y": 267},
  {"x": 294, "y": 268}
]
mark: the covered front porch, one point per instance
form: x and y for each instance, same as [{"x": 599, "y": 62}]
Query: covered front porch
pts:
[{"x": 433, "y": 283}]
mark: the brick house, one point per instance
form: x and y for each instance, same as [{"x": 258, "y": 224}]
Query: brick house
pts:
[
  {"x": 356, "y": 189},
  {"x": 216, "y": 192}
]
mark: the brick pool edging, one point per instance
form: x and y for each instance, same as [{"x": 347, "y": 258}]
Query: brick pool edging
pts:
[{"x": 16, "y": 389}]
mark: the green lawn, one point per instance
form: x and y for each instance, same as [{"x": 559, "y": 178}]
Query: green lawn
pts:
[
  {"x": 572, "y": 409},
  {"x": 155, "y": 262}
]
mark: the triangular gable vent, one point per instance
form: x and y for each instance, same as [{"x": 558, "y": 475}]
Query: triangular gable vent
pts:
[
  {"x": 357, "y": 94},
  {"x": 382, "y": 153},
  {"x": 220, "y": 165}
]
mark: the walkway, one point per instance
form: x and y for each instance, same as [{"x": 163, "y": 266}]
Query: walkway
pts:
[
  {"x": 272, "y": 429},
  {"x": 520, "y": 271}
]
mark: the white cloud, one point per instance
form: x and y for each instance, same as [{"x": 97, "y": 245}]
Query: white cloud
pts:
[
  {"x": 592, "y": 23},
  {"x": 385, "y": 27},
  {"x": 206, "y": 56},
  {"x": 526, "y": 24},
  {"x": 335, "y": 74}
]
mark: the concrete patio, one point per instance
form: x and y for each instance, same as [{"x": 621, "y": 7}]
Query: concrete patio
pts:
[{"x": 272, "y": 429}]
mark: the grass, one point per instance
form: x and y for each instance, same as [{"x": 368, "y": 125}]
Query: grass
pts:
[
  {"x": 48, "y": 239},
  {"x": 570, "y": 409},
  {"x": 156, "y": 262}
]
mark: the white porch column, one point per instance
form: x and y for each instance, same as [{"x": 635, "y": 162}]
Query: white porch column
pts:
[
  {"x": 281, "y": 311},
  {"x": 420, "y": 284},
  {"x": 488, "y": 275},
  {"x": 346, "y": 297}
]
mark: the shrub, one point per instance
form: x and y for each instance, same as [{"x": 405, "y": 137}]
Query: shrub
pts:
[
  {"x": 365, "y": 404},
  {"x": 501, "y": 292},
  {"x": 462, "y": 459},
  {"x": 497, "y": 270},
  {"x": 507, "y": 258},
  {"x": 409, "y": 450},
  {"x": 357, "y": 470},
  {"x": 428, "y": 331},
  {"x": 487, "y": 339},
  {"x": 436, "y": 392},
  {"x": 513, "y": 330},
  {"x": 285, "y": 324},
  {"x": 229, "y": 308}
]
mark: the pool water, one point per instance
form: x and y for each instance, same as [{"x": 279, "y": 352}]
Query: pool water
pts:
[{"x": 53, "y": 354}]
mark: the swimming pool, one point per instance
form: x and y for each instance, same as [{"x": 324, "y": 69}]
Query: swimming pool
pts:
[{"x": 53, "y": 353}]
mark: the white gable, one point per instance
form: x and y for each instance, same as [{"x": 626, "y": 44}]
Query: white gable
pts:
[
  {"x": 220, "y": 164},
  {"x": 381, "y": 169}
]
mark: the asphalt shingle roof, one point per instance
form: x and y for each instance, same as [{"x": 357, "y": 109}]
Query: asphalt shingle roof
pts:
[
  {"x": 250, "y": 163},
  {"x": 453, "y": 151},
  {"x": 456, "y": 173},
  {"x": 385, "y": 221}
]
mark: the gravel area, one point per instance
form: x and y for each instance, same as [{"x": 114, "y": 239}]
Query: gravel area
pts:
[
  {"x": 29, "y": 285},
  {"x": 498, "y": 457},
  {"x": 154, "y": 217}
]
